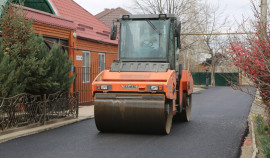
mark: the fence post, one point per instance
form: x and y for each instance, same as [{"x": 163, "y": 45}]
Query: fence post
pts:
[
  {"x": 75, "y": 80},
  {"x": 77, "y": 105},
  {"x": 44, "y": 109},
  {"x": 199, "y": 78}
]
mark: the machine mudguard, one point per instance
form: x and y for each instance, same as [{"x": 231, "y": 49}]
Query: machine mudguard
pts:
[
  {"x": 186, "y": 85},
  {"x": 186, "y": 82}
]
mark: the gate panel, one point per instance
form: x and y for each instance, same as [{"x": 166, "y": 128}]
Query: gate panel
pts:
[
  {"x": 199, "y": 78},
  {"x": 83, "y": 84},
  {"x": 221, "y": 79},
  {"x": 226, "y": 79}
]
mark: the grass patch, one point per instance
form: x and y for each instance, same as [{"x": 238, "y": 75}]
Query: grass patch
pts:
[{"x": 263, "y": 137}]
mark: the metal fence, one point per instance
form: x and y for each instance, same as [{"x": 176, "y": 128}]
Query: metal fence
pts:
[
  {"x": 221, "y": 79},
  {"x": 26, "y": 109},
  {"x": 83, "y": 81}
]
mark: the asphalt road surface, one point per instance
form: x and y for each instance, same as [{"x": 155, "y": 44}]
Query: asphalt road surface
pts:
[{"x": 216, "y": 129}]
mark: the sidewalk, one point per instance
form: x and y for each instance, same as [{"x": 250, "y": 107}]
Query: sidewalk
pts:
[
  {"x": 85, "y": 112},
  {"x": 196, "y": 88}
]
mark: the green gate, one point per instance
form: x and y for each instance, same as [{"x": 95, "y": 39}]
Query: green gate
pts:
[
  {"x": 199, "y": 78},
  {"x": 221, "y": 79}
]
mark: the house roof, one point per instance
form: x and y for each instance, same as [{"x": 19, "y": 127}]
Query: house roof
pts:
[
  {"x": 50, "y": 19},
  {"x": 108, "y": 15},
  {"x": 87, "y": 25},
  {"x": 103, "y": 13}
]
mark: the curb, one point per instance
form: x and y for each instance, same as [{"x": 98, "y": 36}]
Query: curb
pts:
[
  {"x": 255, "y": 150},
  {"x": 26, "y": 132}
]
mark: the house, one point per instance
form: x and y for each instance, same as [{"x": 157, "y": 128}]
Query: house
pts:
[
  {"x": 86, "y": 39},
  {"x": 53, "y": 28},
  {"x": 109, "y": 15},
  {"x": 95, "y": 51}
]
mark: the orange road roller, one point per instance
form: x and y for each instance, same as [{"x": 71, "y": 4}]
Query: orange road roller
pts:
[{"x": 146, "y": 87}]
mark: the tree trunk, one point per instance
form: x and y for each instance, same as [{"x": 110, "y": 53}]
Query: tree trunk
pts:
[{"x": 213, "y": 66}]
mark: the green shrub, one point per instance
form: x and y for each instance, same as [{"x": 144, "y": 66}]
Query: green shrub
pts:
[
  {"x": 25, "y": 64},
  {"x": 262, "y": 130}
]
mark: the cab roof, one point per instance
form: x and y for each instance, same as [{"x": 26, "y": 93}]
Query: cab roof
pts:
[{"x": 148, "y": 16}]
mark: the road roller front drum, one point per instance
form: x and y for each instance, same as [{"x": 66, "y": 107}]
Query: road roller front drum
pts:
[{"x": 133, "y": 115}]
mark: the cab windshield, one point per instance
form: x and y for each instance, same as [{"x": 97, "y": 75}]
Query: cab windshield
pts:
[{"x": 144, "y": 39}]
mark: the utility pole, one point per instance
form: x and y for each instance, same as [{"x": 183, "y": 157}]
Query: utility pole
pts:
[{"x": 263, "y": 18}]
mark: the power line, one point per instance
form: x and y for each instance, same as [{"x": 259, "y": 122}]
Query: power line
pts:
[{"x": 232, "y": 33}]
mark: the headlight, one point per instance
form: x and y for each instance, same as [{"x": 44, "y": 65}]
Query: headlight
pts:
[
  {"x": 104, "y": 87},
  {"x": 154, "y": 88}
]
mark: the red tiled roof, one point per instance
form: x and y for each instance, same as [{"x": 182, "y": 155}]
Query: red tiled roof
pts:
[
  {"x": 108, "y": 15},
  {"x": 103, "y": 13},
  {"x": 202, "y": 67},
  {"x": 87, "y": 25},
  {"x": 47, "y": 18}
]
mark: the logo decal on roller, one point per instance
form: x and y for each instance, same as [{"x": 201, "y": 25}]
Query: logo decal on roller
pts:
[{"x": 129, "y": 86}]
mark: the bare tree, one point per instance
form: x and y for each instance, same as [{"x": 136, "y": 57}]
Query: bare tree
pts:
[
  {"x": 212, "y": 21},
  {"x": 188, "y": 11},
  {"x": 196, "y": 17},
  {"x": 178, "y": 7}
]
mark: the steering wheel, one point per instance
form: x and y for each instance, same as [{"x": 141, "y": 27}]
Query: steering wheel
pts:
[{"x": 148, "y": 43}]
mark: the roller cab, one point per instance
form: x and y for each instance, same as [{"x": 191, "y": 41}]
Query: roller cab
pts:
[{"x": 146, "y": 86}]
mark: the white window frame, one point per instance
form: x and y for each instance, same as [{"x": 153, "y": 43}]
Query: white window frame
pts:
[
  {"x": 99, "y": 63},
  {"x": 86, "y": 66}
]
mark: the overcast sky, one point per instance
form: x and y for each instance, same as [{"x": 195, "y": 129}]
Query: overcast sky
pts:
[{"x": 233, "y": 8}]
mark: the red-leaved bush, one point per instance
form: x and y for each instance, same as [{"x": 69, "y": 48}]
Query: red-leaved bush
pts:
[{"x": 253, "y": 57}]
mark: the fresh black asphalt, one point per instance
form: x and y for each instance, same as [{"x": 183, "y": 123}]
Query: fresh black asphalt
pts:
[{"x": 219, "y": 119}]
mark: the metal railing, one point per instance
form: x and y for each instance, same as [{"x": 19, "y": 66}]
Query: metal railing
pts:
[
  {"x": 26, "y": 109},
  {"x": 83, "y": 82}
]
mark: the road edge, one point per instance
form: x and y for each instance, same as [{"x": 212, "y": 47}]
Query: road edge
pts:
[
  {"x": 255, "y": 109},
  {"x": 31, "y": 131}
]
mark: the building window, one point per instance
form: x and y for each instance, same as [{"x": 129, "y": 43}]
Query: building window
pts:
[
  {"x": 50, "y": 41},
  {"x": 86, "y": 67},
  {"x": 101, "y": 58}
]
